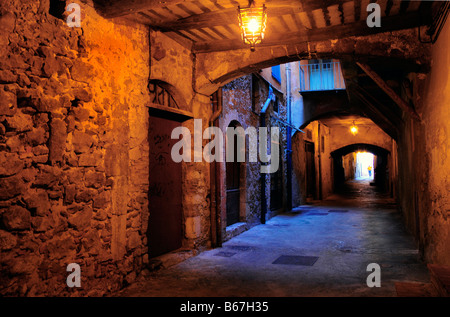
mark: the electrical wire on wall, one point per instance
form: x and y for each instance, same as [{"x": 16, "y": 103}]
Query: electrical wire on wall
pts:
[{"x": 438, "y": 23}]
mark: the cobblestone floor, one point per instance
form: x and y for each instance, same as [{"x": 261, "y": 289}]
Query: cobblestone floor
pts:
[{"x": 345, "y": 233}]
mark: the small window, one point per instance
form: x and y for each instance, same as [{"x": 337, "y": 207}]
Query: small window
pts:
[
  {"x": 276, "y": 73},
  {"x": 275, "y": 104}
]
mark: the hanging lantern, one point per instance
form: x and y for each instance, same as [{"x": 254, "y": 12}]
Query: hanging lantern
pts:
[
  {"x": 252, "y": 22},
  {"x": 354, "y": 128}
]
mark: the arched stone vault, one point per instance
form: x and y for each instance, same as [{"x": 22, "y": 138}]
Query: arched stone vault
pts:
[
  {"x": 201, "y": 74},
  {"x": 214, "y": 69}
]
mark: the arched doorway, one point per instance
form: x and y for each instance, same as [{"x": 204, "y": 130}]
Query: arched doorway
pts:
[{"x": 233, "y": 182}]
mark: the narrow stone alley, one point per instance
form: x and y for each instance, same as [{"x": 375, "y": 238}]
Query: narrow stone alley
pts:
[
  {"x": 224, "y": 148},
  {"x": 321, "y": 249}
]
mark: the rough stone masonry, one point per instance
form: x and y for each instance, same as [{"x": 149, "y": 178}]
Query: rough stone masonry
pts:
[{"x": 73, "y": 168}]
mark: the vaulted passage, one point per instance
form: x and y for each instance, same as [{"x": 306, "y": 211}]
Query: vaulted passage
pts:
[{"x": 151, "y": 148}]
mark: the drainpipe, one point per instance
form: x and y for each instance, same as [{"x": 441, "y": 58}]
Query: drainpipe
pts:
[
  {"x": 262, "y": 118},
  {"x": 288, "y": 138},
  {"x": 319, "y": 143}
]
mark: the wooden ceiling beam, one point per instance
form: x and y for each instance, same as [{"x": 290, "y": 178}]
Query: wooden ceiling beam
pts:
[
  {"x": 372, "y": 112},
  {"x": 215, "y": 18},
  {"x": 117, "y": 8},
  {"x": 388, "y": 90},
  {"x": 360, "y": 28}
]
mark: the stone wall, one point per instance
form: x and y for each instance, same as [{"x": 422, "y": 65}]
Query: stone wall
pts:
[
  {"x": 424, "y": 157},
  {"x": 73, "y": 164},
  {"x": 237, "y": 107},
  {"x": 274, "y": 119},
  {"x": 236, "y": 102}
]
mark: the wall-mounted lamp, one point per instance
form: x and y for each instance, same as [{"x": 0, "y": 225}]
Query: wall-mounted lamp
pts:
[
  {"x": 354, "y": 128},
  {"x": 252, "y": 22}
]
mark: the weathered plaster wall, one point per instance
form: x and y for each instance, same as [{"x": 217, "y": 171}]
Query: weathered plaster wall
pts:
[
  {"x": 349, "y": 163},
  {"x": 428, "y": 157},
  {"x": 298, "y": 169},
  {"x": 73, "y": 144},
  {"x": 340, "y": 136},
  {"x": 326, "y": 162},
  {"x": 297, "y": 105},
  {"x": 266, "y": 73},
  {"x": 323, "y": 163}
]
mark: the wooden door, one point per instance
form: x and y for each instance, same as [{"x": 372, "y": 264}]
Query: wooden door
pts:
[
  {"x": 164, "y": 232},
  {"x": 310, "y": 170},
  {"x": 233, "y": 174},
  {"x": 276, "y": 184}
]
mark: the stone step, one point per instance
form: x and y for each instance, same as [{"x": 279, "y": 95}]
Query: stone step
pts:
[
  {"x": 440, "y": 277},
  {"x": 170, "y": 259},
  {"x": 414, "y": 289}
]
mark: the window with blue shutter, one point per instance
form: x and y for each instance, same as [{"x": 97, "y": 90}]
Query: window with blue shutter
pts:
[{"x": 276, "y": 73}]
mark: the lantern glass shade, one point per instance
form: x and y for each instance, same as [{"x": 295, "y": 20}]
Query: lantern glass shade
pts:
[{"x": 252, "y": 22}]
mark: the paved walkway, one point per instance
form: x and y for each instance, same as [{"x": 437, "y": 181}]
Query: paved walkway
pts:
[{"x": 316, "y": 250}]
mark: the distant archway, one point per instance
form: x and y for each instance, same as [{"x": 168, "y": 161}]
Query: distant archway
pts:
[
  {"x": 362, "y": 147},
  {"x": 381, "y": 171}
]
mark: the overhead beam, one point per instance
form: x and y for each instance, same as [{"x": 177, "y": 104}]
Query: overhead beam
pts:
[
  {"x": 360, "y": 28},
  {"x": 388, "y": 90},
  {"x": 215, "y": 18},
  {"x": 357, "y": 97},
  {"x": 384, "y": 108},
  {"x": 275, "y": 8},
  {"x": 374, "y": 113},
  {"x": 117, "y": 8}
]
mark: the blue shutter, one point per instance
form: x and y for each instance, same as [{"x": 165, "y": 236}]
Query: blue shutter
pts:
[{"x": 276, "y": 73}]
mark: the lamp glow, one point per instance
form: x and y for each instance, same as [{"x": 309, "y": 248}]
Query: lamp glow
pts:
[
  {"x": 354, "y": 128},
  {"x": 252, "y": 22},
  {"x": 253, "y": 26}
]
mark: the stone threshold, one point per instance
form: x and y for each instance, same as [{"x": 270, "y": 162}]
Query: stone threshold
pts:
[
  {"x": 170, "y": 259},
  {"x": 235, "y": 230}
]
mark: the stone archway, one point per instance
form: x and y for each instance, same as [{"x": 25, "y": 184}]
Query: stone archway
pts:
[
  {"x": 397, "y": 49},
  {"x": 380, "y": 169},
  {"x": 214, "y": 69}
]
